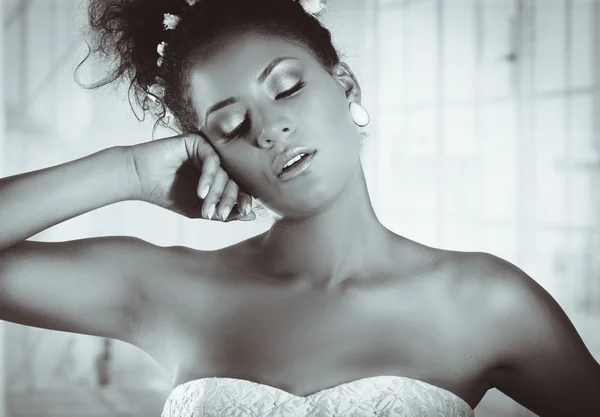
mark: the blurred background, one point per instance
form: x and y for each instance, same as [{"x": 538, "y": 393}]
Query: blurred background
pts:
[{"x": 484, "y": 137}]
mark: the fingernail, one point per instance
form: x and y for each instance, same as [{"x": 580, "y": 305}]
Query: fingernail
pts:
[
  {"x": 211, "y": 211},
  {"x": 226, "y": 211},
  {"x": 248, "y": 218},
  {"x": 204, "y": 191},
  {"x": 247, "y": 209}
]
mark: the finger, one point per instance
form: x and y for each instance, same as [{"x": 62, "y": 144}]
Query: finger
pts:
[
  {"x": 216, "y": 189},
  {"x": 244, "y": 202},
  {"x": 205, "y": 158},
  {"x": 243, "y": 209},
  {"x": 251, "y": 216},
  {"x": 198, "y": 147},
  {"x": 236, "y": 215},
  {"x": 210, "y": 167},
  {"x": 228, "y": 198}
]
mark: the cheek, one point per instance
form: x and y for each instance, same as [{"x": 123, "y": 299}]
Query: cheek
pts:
[
  {"x": 332, "y": 111},
  {"x": 336, "y": 127},
  {"x": 237, "y": 166},
  {"x": 248, "y": 174}
]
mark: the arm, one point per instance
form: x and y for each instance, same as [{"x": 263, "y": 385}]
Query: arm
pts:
[
  {"x": 89, "y": 286},
  {"x": 85, "y": 286},
  {"x": 36, "y": 200},
  {"x": 542, "y": 362}
]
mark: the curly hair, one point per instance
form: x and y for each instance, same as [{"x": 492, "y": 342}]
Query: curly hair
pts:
[{"x": 127, "y": 32}]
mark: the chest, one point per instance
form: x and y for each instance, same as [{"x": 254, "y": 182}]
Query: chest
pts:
[{"x": 292, "y": 340}]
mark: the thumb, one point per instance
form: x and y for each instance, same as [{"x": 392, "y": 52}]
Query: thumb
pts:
[
  {"x": 251, "y": 216},
  {"x": 236, "y": 215}
]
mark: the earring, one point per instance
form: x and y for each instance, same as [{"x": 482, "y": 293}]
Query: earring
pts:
[{"x": 359, "y": 114}]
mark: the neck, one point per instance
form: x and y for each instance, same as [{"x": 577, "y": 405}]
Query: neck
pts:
[{"x": 343, "y": 241}]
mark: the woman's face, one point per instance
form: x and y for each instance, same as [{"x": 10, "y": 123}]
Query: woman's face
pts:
[{"x": 264, "y": 114}]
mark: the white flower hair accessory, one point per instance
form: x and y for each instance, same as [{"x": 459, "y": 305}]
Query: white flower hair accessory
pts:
[
  {"x": 170, "y": 21},
  {"x": 161, "y": 48},
  {"x": 313, "y": 7},
  {"x": 156, "y": 92},
  {"x": 161, "y": 51}
]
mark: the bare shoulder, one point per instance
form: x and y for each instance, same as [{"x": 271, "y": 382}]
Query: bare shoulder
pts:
[
  {"x": 535, "y": 355},
  {"x": 482, "y": 280},
  {"x": 496, "y": 292},
  {"x": 508, "y": 299}
]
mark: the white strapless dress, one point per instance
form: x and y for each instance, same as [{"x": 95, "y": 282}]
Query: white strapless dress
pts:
[{"x": 384, "y": 396}]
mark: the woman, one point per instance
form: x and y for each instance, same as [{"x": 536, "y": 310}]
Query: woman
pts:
[{"x": 327, "y": 313}]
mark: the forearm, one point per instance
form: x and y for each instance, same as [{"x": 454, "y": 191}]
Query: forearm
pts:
[{"x": 34, "y": 201}]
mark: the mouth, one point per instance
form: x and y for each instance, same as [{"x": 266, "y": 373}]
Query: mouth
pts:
[
  {"x": 293, "y": 162},
  {"x": 302, "y": 163}
]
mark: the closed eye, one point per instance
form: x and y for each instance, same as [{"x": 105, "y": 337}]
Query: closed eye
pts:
[
  {"x": 244, "y": 127},
  {"x": 240, "y": 130},
  {"x": 291, "y": 91}
]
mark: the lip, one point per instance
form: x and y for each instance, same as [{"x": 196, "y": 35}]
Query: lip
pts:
[
  {"x": 286, "y": 156},
  {"x": 298, "y": 168}
]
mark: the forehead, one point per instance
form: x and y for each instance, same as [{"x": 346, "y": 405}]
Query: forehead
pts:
[{"x": 237, "y": 65}]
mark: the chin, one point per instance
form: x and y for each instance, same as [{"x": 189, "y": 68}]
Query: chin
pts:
[{"x": 314, "y": 191}]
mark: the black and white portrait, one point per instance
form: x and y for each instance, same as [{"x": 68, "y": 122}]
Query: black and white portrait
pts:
[{"x": 294, "y": 208}]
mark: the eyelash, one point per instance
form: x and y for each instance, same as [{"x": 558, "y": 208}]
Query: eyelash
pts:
[
  {"x": 291, "y": 91},
  {"x": 243, "y": 128}
]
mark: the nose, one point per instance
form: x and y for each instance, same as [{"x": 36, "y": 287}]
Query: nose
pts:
[{"x": 276, "y": 128}]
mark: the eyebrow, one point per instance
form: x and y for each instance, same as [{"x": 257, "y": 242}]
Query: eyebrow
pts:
[
  {"x": 267, "y": 71},
  {"x": 261, "y": 79}
]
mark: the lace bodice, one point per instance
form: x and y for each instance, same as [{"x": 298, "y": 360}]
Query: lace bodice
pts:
[{"x": 389, "y": 396}]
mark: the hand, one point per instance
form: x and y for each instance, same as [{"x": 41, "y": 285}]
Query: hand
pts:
[{"x": 183, "y": 174}]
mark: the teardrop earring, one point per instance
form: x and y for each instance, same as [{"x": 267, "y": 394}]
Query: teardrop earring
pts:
[{"x": 359, "y": 114}]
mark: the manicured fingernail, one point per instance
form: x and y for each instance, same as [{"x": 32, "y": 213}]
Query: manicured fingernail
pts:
[
  {"x": 204, "y": 191},
  {"x": 226, "y": 210},
  {"x": 211, "y": 211},
  {"x": 248, "y": 218},
  {"x": 246, "y": 209}
]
